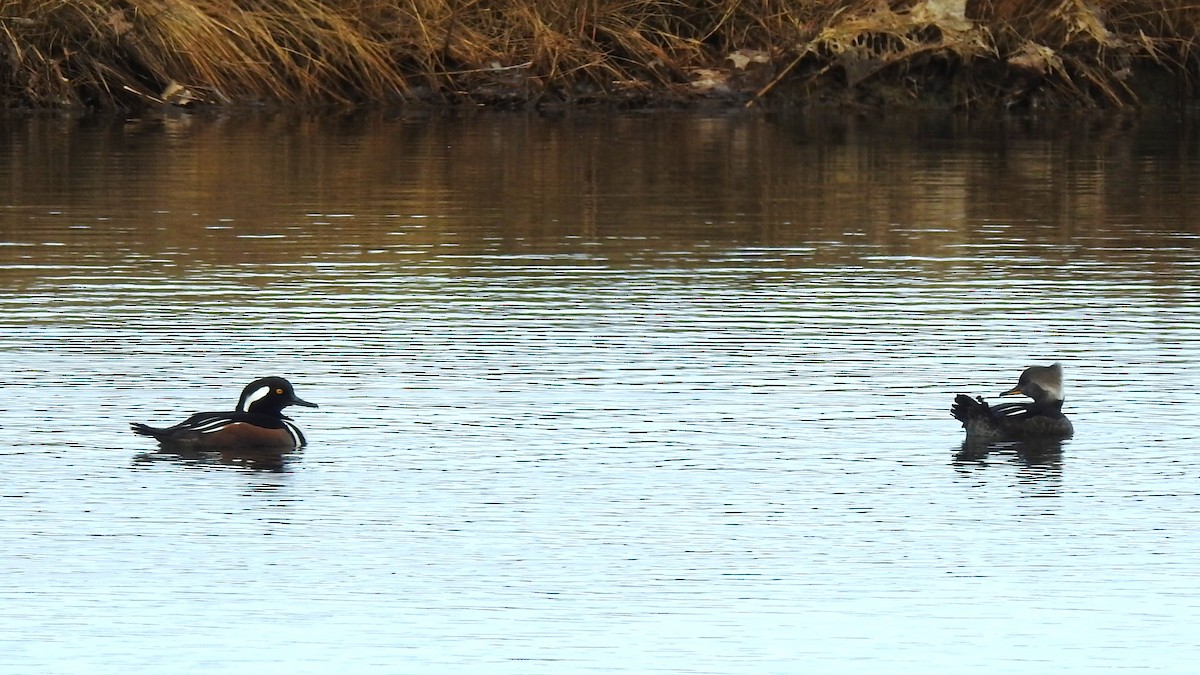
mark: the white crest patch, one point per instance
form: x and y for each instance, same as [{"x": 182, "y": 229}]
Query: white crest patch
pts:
[
  {"x": 252, "y": 397},
  {"x": 1051, "y": 380}
]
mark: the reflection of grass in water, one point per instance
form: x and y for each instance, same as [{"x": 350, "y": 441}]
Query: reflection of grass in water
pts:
[{"x": 106, "y": 53}]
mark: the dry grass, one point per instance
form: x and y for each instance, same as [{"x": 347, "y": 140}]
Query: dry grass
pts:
[{"x": 130, "y": 53}]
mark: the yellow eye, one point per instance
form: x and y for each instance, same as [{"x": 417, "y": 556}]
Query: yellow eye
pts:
[{"x": 278, "y": 391}]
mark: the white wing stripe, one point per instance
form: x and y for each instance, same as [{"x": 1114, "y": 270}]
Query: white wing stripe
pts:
[{"x": 215, "y": 425}]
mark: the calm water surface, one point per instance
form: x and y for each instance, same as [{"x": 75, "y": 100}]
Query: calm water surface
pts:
[{"x": 627, "y": 394}]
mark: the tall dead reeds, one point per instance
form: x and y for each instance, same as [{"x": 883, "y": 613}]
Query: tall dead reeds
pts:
[{"x": 129, "y": 53}]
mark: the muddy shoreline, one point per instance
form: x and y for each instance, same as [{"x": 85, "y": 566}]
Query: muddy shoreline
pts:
[{"x": 1003, "y": 55}]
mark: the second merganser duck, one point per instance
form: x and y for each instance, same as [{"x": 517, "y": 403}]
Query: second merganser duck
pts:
[
  {"x": 258, "y": 422},
  {"x": 1043, "y": 418}
]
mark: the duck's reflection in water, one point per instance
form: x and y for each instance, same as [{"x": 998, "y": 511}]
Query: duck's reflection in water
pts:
[
  {"x": 1039, "y": 463},
  {"x": 1031, "y": 452},
  {"x": 248, "y": 459}
]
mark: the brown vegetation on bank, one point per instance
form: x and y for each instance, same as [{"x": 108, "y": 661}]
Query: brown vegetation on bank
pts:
[{"x": 134, "y": 53}]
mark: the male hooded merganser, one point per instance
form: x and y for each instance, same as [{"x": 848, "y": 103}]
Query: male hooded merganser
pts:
[
  {"x": 258, "y": 422},
  {"x": 1042, "y": 418}
]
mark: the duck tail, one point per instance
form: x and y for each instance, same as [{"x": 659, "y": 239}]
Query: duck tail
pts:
[
  {"x": 966, "y": 408},
  {"x": 145, "y": 430}
]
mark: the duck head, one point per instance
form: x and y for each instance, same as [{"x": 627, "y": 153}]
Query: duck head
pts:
[{"x": 1043, "y": 384}]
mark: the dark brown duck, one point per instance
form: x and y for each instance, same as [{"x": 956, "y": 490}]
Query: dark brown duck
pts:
[{"x": 1042, "y": 418}]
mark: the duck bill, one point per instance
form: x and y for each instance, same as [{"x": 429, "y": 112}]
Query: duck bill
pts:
[
  {"x": 1015, "y": 391},
  {"x": 299, "y": 401}
]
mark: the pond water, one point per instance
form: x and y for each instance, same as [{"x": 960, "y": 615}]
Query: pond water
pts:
[{"x": 599, "y": 393}]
